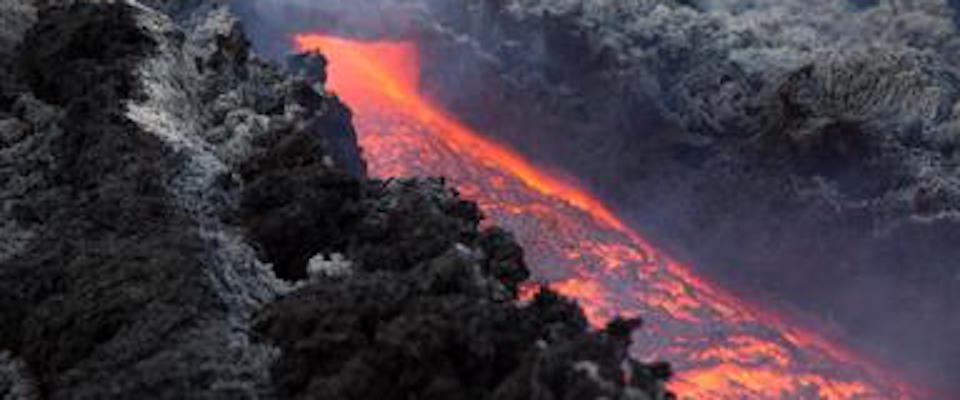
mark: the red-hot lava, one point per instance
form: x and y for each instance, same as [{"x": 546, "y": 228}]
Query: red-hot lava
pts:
[{"x": 721, "y": 348}]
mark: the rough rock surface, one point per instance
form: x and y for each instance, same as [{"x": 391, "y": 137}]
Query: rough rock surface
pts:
[
  {"x": 429, "y": 312},
  {"x": 156, "y": 178},
  {"x": 121, "y": 278}
]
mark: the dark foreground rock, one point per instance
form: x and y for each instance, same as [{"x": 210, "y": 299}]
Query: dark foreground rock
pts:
[
  {"x": 118, "y": 275},
  {"x": 427, "y": 309},
  {"x": 155, "y": 180}
]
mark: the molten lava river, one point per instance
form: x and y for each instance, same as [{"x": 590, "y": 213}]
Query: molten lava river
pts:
[{"x": 720, "y": 347}]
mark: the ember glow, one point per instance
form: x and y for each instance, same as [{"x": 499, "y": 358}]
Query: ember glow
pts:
[{"x": 721, "y": 347}]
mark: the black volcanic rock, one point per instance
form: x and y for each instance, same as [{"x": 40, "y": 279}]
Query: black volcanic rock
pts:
[
  {"x": 118, "y": 278},
  {"x": 293, "y": 214},
  {"x": 504, "y": 258},
  {"x": 426, "y": 308},
  {"x": 156, "y": 177},
  {"x": 64, "y": 58},
  {"x": 408, "y": 222},
  {"x": 376, "y": 335}
]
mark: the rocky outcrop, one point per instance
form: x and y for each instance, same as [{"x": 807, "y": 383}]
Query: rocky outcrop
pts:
[
  {"x": 380, "y": 335},
  {"x": 425, "y": 307},
  {"x": 122, "y": 279},
  {"x": 156, "y": 178}
]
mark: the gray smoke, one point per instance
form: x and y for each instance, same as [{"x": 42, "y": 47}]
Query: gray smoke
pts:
[
  {"x": 805, "y": 153},
  {"x": 271, "y": 23}
]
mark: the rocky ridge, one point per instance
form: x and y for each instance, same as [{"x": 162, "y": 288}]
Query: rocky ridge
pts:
[{"x": 183, "y": 219}]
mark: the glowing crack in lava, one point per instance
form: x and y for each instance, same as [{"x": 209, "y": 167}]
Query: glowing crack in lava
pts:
[{"x": 721, "y": 348}]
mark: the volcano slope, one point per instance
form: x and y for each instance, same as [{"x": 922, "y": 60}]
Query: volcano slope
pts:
[
  {"x": 156, "y": 179},
  {"x": 722, "y": 348},
  {"x": 802, "y": 152}
]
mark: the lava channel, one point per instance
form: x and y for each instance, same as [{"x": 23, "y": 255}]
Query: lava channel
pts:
[{"x": 720, "y": 347}]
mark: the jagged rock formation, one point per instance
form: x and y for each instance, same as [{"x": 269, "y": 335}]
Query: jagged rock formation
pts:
[
  {"x": 155, "y": 179},
  {"x": 123, "y": 279},
  {"x": 427, "y": 311}
]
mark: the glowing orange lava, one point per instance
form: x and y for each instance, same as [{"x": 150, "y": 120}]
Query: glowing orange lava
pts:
[{"x": 721, "y": 348}]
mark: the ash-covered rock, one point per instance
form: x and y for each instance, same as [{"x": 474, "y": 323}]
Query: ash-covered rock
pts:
[
  {"x": 125, "y": 270},
  {"x": 120, "y": 278}
]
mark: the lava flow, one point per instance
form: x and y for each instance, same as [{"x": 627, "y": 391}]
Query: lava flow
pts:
[{"x": 721, "y": 347}]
